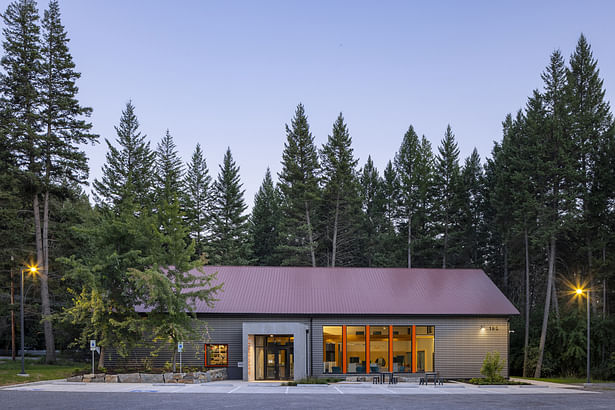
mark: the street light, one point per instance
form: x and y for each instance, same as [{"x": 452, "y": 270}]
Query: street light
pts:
[
  {"x": 32, "y": 270},
  {"x": 579, "y": 292}
]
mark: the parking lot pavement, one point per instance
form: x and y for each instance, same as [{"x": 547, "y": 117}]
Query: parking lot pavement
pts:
[{"x": 240, "y": 387}]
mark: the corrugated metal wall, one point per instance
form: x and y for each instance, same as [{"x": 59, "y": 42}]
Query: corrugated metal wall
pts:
[{"x": 460, "y": 345}]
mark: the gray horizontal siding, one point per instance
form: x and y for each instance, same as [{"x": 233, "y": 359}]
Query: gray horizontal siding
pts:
[{"x": 460, "y": 346}]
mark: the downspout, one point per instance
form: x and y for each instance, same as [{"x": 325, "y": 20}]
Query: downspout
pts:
[
  {"x": 307, "y": 352},
  {"x": 311, "y": 341}
]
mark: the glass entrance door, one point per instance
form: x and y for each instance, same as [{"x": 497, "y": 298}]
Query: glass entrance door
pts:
[{"x": 277, "y": 360}]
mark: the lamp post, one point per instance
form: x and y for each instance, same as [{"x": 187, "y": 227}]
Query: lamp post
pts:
[
  {"x": 580, "y": 293},
  {"x": 33, "y": 269}
]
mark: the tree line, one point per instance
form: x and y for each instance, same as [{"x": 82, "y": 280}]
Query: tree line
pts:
[{"x": 537, "y": 215}]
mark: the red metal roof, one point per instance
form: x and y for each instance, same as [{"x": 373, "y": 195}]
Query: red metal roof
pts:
[{"x": 306, "y": 290}]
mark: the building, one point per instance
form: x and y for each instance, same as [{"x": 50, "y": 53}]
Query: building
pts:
[{"x": 279, "y": 323}]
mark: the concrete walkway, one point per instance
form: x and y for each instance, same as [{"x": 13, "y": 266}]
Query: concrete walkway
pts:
[
  {"x": 240, "y": 387},
  {"x": 549, "y": 384}
]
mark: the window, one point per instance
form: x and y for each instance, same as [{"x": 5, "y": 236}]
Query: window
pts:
[
  {"x": 378, "y": 348},
  {"x": 216, "y": 355},
  {"x": 425, "y": 354},
  {"x": 355, "y": 349},
  {"x": 402, "y": 349},
  {"x": 332, "y": 349}
]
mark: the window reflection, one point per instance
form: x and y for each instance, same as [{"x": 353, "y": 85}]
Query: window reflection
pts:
[{"x": 355, "y": 349}]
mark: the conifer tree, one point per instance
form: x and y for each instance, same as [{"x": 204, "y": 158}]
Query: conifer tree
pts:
[
  {"x": 373, "y": 207},
  {"x": 340, "y": 203},
  {"x": 129, "y": 167},
  {"x": 471, "y": 219},
  {"x": 447, "y": 183},
  {"x": 230, "y": 239},
  {"x": 197, "y": 199},
  {"x": 392, "y": 242},
  {"x": 169, "y": 171},
  {"x": 299, "y": 185},
  {"x": 265, "y": 223},
  {"x": 592, "y": 131}
]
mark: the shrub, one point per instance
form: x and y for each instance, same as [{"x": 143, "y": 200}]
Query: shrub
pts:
[{"x": 492, "y": 366}]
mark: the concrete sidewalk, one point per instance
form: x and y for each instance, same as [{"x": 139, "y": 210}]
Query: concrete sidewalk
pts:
[{"x": 240, "y": 387}]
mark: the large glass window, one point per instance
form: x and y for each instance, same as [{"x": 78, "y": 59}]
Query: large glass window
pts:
[
  {"x": 355, "y": 349},
  {"x": 332, "y": 346},
  {"x": 425, "y": 356},
  {"x": 379, "y": 348},
  {"x": 216, "y": 355},
  {"x": 402, "y": 348}
]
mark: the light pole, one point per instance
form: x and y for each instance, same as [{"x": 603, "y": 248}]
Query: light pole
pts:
[
  {"x": 33, "y": 269},
  {"x": 580, "y": 293}
]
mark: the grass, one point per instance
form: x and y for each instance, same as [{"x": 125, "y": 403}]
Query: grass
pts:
[
  {"x": 38, "y": 371},
  {"x": 502, "y": 381},
  {"x": 565, "y": 380}
]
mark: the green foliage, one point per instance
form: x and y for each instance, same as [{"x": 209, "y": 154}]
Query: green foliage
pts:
[
  {"x": 196, "y": 199},
  {"x": 230, "y": 240},
  {"x": 169, "y": 170},
  {"x": 299, "y": 185},
  {"x": 492, "y": 367},
  {"x": 265, "y": 223}
]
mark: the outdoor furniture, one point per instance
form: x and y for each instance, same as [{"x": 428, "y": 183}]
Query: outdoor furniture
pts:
[{"x": 435, "y": 376}]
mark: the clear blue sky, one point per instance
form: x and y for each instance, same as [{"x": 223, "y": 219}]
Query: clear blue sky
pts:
[{"x": 231, "y": 73}]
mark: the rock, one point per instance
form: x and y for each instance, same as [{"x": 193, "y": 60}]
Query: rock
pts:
[
  {"x": 94, "y": 378},
  {"x": 168, "y": 378},
  {"x": 111, "y": 378},
  {"x": 129, "y": 378},
  {"x": 152, "y": 378},
  {"x": 75, "y": 379}
]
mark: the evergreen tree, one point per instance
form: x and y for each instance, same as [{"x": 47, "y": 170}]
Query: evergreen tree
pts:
[
  {"x": 471, "y": 218},
  {"x": 169, "y": 171},
  {"x": 299, "y": 185},
  {"x": 373, "y": 206},
  {"x": 340, "y": 199},
  {"x": 230, "y": 239},
  {"x": 592, "y": 132},
  {"x": 129, "y": 167},
  {"x": 393, "y": 246},
  {"x": 169, "y": 287},
  {"x": 414, "y": 163},
  {"x": 447, "y": 183},
  {"x": 555, "y": 174},
  {"x": 65, "y": 129},
  {"x": 197, "y": 199},
  {"x": 265, "y": 223}
]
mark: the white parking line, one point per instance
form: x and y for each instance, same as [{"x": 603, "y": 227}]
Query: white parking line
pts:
[
  {"x": 286, "y": 392},
  {"x": 341, "y": 392},
  {"x": 236, "y": 388}
]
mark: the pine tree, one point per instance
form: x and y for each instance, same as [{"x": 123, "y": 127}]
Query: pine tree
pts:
[
  {"x": 169, "y": 287},
  {"x": 129, "y": 167},
  {"x": 372, "y": 198},
  {"x": 169, "y": 171},
  {"x": 340, "y": 203},
  {"x": 230, "y": 239},
  {"x": 265, "y": 223},
  {"x": 555, "y": 175},
  {"x": 447, "y": 183},
  {"x": 65, "y": 129},
  {"x": 299, "y": 185},
  {"x": 197, "y": 199},
  {"x": 471, "y": 219},
  {"x": 392, "y": 242},
  {"x": 592, "y": 131},
  {"x": 414, "y": 164}
]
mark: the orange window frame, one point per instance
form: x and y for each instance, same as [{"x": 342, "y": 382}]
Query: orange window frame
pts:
[
  {"x": 390, "y": 348},
  {"x": 413, "y": 348},
  {"x": 367, "y": 358},
  {"x": 344, "y": 365}
]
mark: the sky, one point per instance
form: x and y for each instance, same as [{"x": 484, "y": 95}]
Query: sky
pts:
[{"x": 231, "y": 73}]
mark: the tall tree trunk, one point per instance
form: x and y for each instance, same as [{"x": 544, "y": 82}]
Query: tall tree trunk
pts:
[
  {"x": 50, "y": 356},
  {"x": 506, "y": 268},
  {"x": 593, "y": 306},
  {"x": 526, "y": 340},
  {"x": 12, "y": 314},
  {"x": 334, "y": 240},
  {"x": 409, "y": 239},
  {"x": 555, "y": 301},
  {"x": 310, "y": 238},
  {"x": 604, "y": 292},
  {"x": 445, "y": 243},
  {"x": 101, "y": 358},
  {"x": 545, "y": 318}
]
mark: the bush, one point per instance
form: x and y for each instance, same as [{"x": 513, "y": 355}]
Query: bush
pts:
[{"x": 492, "y": 366}]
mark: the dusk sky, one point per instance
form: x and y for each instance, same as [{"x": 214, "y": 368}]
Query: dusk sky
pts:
[{"x": 231, "y": 73}]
